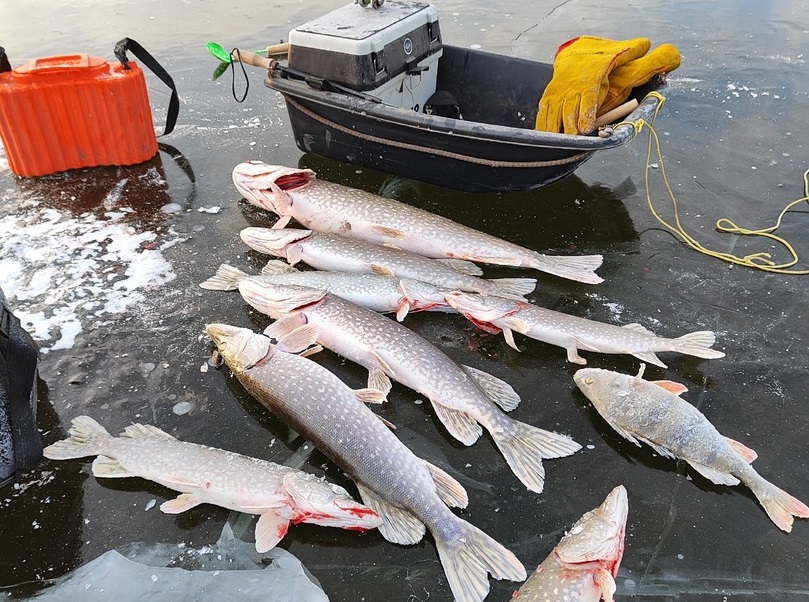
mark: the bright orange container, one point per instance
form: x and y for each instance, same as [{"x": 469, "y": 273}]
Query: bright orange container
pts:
[{"x": 65, "y": 112}]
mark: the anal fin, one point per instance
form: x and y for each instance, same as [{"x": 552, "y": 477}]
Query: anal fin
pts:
[
  {"x": 398, "y": 525},
  {"x": 713, "y": 475},
  {"x": 104, "y": 466}
]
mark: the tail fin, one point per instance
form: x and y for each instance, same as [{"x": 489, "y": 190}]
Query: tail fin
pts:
[
  {"x": 698, "y": 344},
  {"x": 513, "y": 288},
  {"x": 468, "y": 555},
  {"x": 779, "y": 505},
  {"x": 580, "y": 268},
  {"x": 525, "y": 446},
  {"x": 227, "y": 278},
  {"x": 84, "y": 436}
]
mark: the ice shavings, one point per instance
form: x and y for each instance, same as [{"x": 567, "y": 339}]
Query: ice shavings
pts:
[{"x": 58, "y": 270}]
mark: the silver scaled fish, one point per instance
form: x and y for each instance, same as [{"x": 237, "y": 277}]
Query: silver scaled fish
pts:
[
  {"x": 384, "y": 294},
  {"x": 333, "y": 252},
  {"x": 280, "y": 495},
  {"x": 407, "y": 492},
  {"x": 574, "y": 333},
  {"x": 583, "y": 565},
  {"x": 329, "y": 207},
  {"x": 463, "y": 397},
  {"x": 653, "y": 413}
]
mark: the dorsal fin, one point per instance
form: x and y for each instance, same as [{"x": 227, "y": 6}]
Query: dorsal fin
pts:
[
  {"x": 671, "y": 386},
  {"x": 145, "y": 431}
]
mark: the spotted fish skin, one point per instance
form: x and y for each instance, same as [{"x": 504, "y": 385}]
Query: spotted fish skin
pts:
[
  {"x": 406, "y": 491},
  {"x": 653, "y": 413},
  {"x": 329, "y": 207},
  {"x": 583, "y": 565},
  {"x": 463, "y": 398},
  {"x": 280, "y": 495},
  {"x": 574, "y": 333},
  {"x": 332, "y": 252}
]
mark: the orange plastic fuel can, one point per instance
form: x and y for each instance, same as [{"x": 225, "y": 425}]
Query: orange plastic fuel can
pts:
[{"x": 71, "y": 111}]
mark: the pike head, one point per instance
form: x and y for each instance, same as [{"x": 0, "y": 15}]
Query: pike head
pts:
[
  {"x": 265, "y": 185},
  {"x": 279, "y": 300},
  {"x": 279, "y": 243},
  {"x": 327, "y": 504},
  {"x": 241, "y": 348}
]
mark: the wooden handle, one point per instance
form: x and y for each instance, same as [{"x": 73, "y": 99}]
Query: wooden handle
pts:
[
  {"x": 277, "y": 49},
  {"x": 618, "y": 112},
  {"x": 251, "y": 58}
]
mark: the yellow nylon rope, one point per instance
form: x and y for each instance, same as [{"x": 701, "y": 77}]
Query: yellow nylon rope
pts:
[{"x": 760, "y": 261}]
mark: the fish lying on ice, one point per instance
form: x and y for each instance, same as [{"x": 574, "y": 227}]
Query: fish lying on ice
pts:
[
  {"x": 653, "y": 412},
  {"x": 384, "y": 294},
  {"x": 407, "y": 492},
  {"x": 573, "y": 333},
  {"x": 280, "y": 495},
  {"x": 328, "y": 207},
  {"x": 337, "y": 253},
  {"x": 583, "y": 565},
  {"x": 463, "y": 398}
]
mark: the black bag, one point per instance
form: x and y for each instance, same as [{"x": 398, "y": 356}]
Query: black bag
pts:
[{"x": 20, "y": 441}]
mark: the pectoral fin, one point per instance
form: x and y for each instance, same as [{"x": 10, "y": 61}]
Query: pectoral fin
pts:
[
  {"x": 402, "y": 310},
  {"x": 282, "y": 222},
  {"x": 606, "y": 583},
  {"x": 299, "y": 339},
  {"x": 284, "y": 326},
  {"x": 381, "y": 270},
  {"x": 183, "y": 502},
  {"x": 270, "y": 529},
  {"x": 398, "y": 525},
  {"x": 459, "y": 424},
  {"x": 509, "y": 336}
]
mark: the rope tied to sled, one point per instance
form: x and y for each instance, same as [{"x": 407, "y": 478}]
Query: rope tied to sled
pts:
[{"x": 761, "y": 260}]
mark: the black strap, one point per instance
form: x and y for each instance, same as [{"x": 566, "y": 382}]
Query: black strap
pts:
[
  {"x": 147, "y": 59},
  {"x": 5, "y": 65}
]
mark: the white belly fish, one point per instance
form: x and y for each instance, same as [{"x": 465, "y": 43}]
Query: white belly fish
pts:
[
  {"x": 337, "y": 253},
  {"x": 583, "y": 565},
  {"x": 384, "y": 294},
  {"x": 653, "y": 413},
  {"x": 463, "y": 398},
  {"x": 407, "y": 492},
  {"x": 280, "y": 495},
  {"x": 574, "y": 333},
  {"x": 328, "y": 207}
]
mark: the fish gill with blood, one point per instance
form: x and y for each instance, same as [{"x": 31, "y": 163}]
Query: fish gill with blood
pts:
[
  {"x": 407, "y": 492},
  {"x": 462, "y": 397},
  {"x": 653, "y": 412},
  {"x": 583, "y": 565},
  {"x": 280, "y": 495},
  {"x": 573, "y": 333},
  {"x": 332, "y": 252},
  {"x": 329, "y": 207}
]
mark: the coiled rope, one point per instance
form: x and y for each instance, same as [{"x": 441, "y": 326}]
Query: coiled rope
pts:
[{"x": 759, "y": 261}]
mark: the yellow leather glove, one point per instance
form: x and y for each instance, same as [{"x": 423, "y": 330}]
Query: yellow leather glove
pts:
[
  {"x": 663, "y": 59},
  {"x": 579, "y": 84}
]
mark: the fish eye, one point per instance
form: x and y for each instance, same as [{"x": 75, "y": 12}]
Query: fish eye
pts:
[{"x": 589, "y": 380}]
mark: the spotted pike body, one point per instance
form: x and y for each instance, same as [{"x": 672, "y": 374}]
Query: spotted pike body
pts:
[
  {"x": 329, "y": 207},
  {"x": 408, "y": 493},
  {"x": 463, "y": 398},
  {"x": 280, "y": 495}
]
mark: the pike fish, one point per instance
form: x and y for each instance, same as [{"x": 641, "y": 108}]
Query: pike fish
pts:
[
  {"x": 407, "y": 492},
  {"x": 383, "y": 294},
  {"x": 333, "y": 252},
  {"x": 280, "y": 495},
  {"x": 328, "y": 207},
  {"x": 583, "y": 565},
  {"x": 494, "y": 314},
  {"x": 653, "y": 413},
  {"x": 463, "y": 398}
]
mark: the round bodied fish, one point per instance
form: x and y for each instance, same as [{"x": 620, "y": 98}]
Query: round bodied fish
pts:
[
  {"x": 280, "y": 495},
  {"x": 329, "y": 207},
  {"x": 584, "y": 564},
  {"x": 573, "y": 333},
  {"x": 463, "y": 398},
  {"x": 383, "y": 294},
  {"x": 653, "y": 413},
  {"x": 407, "y": 492},
  {"x": 333, "y": 252}
]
